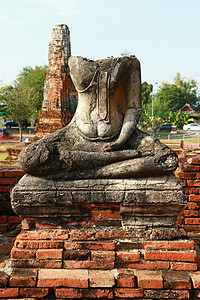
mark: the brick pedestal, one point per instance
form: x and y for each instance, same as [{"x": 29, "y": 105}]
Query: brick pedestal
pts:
[{"x": 88, "y": 262}]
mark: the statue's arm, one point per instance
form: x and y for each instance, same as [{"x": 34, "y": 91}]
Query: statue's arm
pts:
[
  {"x": 134, "y": 105},
  {"x": 130, "y": 122}
]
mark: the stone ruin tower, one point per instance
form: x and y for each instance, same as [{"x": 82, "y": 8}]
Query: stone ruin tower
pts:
[{"x": 60, "y": 96}]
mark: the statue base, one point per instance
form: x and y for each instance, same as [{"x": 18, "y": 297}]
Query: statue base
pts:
[{"x": 144, "y": 203}]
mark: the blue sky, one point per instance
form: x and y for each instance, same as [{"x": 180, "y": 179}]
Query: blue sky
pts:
[{"x": 163, "y": 34}]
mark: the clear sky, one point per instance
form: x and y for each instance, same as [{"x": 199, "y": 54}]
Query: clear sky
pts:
[{"x": 163, "y": 34}]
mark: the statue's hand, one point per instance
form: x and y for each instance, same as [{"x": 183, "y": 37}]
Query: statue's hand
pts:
[
  {"x": 64, "y": 156},
  {"x": 112, "y": 146}
]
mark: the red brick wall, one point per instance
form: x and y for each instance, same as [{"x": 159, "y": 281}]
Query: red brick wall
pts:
[
  {"x": 189, "y": 176},
  {"x": 96, "y": 263},
  {"x": 9, "y": 222}
]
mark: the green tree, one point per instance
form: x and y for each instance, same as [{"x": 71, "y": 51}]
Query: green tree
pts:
[
  {"x": 174, "y": 96},
  {"x": 146, "y": 100},
  {"x": 5, "y": 93},
  {"x": 24, "y": 99},
  {"x": 17, "y": 102},
  {"x": 32, "y": 81}
]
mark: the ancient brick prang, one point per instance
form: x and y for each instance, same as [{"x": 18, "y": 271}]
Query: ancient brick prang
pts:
[{"x": 60, "y": 96}]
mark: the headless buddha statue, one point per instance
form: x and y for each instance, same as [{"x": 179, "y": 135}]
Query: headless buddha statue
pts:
[{"x": 102, "y": 140}]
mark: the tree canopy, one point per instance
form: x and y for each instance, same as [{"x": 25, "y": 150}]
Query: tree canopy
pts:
[
  {"x": 24, "y": 98},
  {"x": 174, "y": 96},
  {"x": 169, "y": 99}
]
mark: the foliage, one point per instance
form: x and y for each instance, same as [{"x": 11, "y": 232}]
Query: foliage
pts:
[
  {"x": 148, "y": 123},
  {"x": 23, "y": 99},
  {"x": 146, "y": 93},
  {"x": 146, "y": 100},
  {"x": 32, "y": 81},
  {"x": 181, "y": 119},
  {"x": 175, "y": 96},
  {"x": 168, "y": 101}
]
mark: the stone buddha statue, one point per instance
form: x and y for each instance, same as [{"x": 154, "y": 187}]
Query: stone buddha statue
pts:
[
  {"x": 102, "y": 140},
  {"x": 101, "y": 156}
]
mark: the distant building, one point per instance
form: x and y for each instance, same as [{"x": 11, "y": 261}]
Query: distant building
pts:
[{"x": 189, "y": 110}]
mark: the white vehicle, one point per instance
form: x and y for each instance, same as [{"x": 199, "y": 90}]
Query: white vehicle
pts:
[{"x": 191, "y": 127}]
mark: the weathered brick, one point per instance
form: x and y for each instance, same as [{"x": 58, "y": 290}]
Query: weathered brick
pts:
[
  {"x": 14, "y": 220},
  {"x": 192, "y": 205},
  {"x": 3, "y": 279},
  {"x": 184, "y": 266},
  {"x": 155, "y": 265},
  {"x": 22, "y": 253},
  {"x": 14, "y": 173},
  {"x": 23, "y": 278},
  {"x": 8, "y": 181},
  {"x": 89, "y": 245},
  {"x": 167, "y": 294},
  {"x": 5, "y": 188},
  {"x": 193, "y": 182},
  {"x": 176, "y": 280},
  {"x": 185, "y": 175},
  {"x": 126, "y": 257},
  {"x": 189, "y": 213},
  {"x": 3, "y": 220},
  {"x": 194, "y": 198},
  {"x": 5, "y": 248},
  {"x": 101, "y": 279},
  {"x": 34, "y": 292},
  {"x": 38, "y": 244},
  {"x": 125, "y": 278},
  {"x": 149, "y": 279},
  {"x": 195, "y": 221},
  {"x": 128, "y": 293},
  {"x": 77, "y": 255},
  {"x": 113, "y": 234},
  {"x": 33, "y": 263},
  {"x": 96, "y": 215},
  {"x": 170, "y": 255},
  {"x": 9, "y": 292},
  {"x": 95, "y": 264},
  {"x": 45, "y": 226},
  {"x": 62, "y": 277},
  {"x": 44, "y": 235},
  {"x": 128, "y": 245},
  {"x": 49, "y": 254},
  {"x": 4, "y": 227},
  {"x": 79, "y": 235},
  {"x": 194, "y": 161},
  {"x": 191, "y": 228},
  {"x": 103, "y": 255},
  {"x": 184, "y": 245},
  {"x": 191, "y": 190},
  {"x": 69, "y": 293},
  {"x": 190, "y": 168}
]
